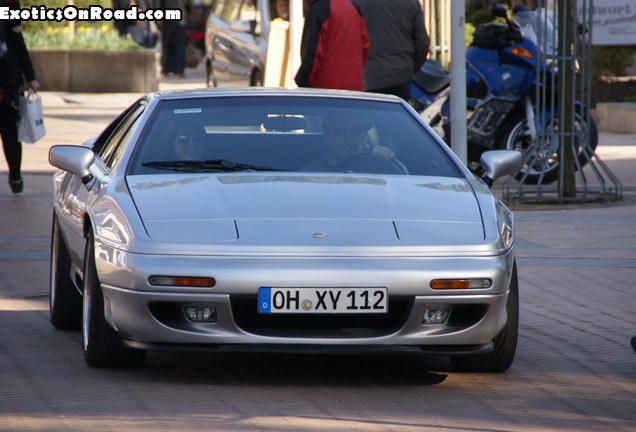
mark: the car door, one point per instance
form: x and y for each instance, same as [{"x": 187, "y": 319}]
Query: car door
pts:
[
  {"x": 222, "y": 40},
  {"x": 247, "y": 33},
  {"x": 237, "y": 35},
  {"x": 75, "y": 198}
]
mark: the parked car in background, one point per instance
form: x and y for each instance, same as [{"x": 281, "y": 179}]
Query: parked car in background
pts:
[
  {"x": 236, "y": 39},
  {"x": 299, "y": 219}
]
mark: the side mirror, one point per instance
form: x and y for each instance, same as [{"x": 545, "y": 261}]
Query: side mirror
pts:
[
  {"x": 74, "y": 159},
  {"x": 499, "y": 163}
]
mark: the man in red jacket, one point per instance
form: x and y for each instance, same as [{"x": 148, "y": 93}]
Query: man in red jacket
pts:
[{"x": 334, "y": 46}]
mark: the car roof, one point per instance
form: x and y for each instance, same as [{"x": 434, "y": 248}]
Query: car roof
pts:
[{"x": 270, "y": 91}]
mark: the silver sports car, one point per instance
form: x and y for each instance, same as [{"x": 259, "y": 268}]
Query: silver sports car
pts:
[{"x": 247, "y": 219}]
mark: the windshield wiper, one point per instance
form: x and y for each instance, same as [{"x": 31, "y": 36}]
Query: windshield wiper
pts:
[{"x": 225, "y": 165}]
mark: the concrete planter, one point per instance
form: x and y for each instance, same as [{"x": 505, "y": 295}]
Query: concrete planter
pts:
[
  {"x": 616, "y": 117},
  {"x": 95, "y": 71}
]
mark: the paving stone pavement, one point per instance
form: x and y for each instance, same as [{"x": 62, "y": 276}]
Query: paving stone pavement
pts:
[{"x": 574, "y": 368}]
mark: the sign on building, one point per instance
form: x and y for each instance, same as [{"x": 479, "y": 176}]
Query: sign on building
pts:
[{"x": 614, "y": 22}]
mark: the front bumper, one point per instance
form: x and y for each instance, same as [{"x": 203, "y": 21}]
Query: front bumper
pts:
[
  {"x": 129, "y": 312},
  {"x": 151, "y": 317}
]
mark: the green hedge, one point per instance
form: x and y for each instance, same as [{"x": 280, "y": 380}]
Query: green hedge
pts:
[
  {"x": 42, "y": 26},
  {"x": 87, "y": 34},
  {"x": 611, "y": 59}
]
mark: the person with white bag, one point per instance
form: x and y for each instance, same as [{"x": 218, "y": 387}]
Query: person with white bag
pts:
[{"x": 15, "y": 66}]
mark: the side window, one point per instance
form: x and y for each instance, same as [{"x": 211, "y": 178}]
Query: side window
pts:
[
  {"x": 248, "y": 12},
  {"x": 103, "y": 137},
  {"x": 230, "y": 12},
  {"x": 113, "y": 148},
  {"x": 218, "y": 8}
]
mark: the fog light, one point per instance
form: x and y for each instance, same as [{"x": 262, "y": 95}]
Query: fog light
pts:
[
  {"x": 200, "y": 314},
  {"x": 436, "y": 314}
]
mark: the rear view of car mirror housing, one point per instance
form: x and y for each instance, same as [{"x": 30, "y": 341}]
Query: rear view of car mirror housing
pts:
[
  {"x": 499, "y": 163},
  {"x": 74, "y": 159}
]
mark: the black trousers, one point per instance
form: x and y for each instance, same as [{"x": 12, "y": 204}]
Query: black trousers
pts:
[{"x": 9, "y": 133}]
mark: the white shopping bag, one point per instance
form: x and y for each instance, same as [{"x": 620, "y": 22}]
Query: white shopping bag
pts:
[{"x": 31, "y": 126}]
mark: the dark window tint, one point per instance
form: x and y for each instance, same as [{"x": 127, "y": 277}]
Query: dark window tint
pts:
[
  {"x": 115, "y": 144},
  {"x": 293, "y": 134}
]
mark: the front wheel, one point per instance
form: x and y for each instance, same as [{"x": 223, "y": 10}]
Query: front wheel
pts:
[
  {"x": 541, "y": 160},
  {"x": 210, "y": 77},
  {"x": 505, "y": 343},
  {"x": 65, "y": 303},
  {"x": 102, "y": 346},
  {"x": 256, "y": 79}
]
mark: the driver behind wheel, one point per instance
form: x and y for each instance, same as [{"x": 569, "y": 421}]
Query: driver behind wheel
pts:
[{"x": 343, "y": 139}]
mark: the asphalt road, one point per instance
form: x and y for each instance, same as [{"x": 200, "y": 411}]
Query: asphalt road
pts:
[{"x": 574, "y": 369}]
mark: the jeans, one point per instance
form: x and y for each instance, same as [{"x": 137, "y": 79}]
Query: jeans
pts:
[{"x": 172, "y": 48}]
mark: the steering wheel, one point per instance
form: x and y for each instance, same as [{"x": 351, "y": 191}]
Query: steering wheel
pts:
[{"x": 364, "y": 161}]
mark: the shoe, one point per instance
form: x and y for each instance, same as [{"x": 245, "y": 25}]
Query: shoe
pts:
[{"x": 17, "y": 186}]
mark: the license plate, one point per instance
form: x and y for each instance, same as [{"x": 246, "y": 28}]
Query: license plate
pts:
[{"x": 322, "y": 300}]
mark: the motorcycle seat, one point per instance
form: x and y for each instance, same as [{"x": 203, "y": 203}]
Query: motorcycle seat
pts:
[{"x": 432, "y": 77}]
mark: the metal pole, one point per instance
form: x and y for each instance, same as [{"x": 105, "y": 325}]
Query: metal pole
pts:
[
  {"x": 296, "y": 22},
  {"x": 458, "y": 81},
  {"x": 567, "y": 151}
]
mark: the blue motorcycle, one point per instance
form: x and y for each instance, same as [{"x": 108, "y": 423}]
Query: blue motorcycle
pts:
[{"x": 501, "y": 79}]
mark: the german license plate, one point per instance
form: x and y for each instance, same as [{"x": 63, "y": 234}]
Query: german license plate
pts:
[{"x": 322, "y": 300}]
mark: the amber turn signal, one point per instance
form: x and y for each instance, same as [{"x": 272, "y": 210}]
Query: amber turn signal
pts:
[
  {"x": 440, "y": 284},
  {"x": 182, "y": 281},
  {"x": 522, "y": 52}
]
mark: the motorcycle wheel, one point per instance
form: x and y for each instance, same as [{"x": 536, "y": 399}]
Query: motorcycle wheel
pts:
[{"x": 540, "y": 162}]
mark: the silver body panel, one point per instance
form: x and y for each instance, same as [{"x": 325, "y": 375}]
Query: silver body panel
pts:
[{"x": 253, "y": 229}]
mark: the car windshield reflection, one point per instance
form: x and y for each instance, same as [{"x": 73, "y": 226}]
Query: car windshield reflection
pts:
[{"x": 295, "y": 134}]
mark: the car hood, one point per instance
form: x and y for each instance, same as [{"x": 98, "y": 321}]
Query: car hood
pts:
[{"x": 307, "y": 210}]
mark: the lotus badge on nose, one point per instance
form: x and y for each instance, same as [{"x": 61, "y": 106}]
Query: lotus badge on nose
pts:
[{"x": 318, "y": 235}]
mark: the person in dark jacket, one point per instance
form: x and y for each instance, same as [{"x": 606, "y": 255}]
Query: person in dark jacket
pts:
[
  {"x": 334, "y": 46},
  {"x": 399, "y": 44},
  {"x": 14, "y": 64}
]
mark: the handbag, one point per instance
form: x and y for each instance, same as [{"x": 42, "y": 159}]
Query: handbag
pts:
[
  {"x": 192, "y": 56},
  {"x": 31, "y": 125}
]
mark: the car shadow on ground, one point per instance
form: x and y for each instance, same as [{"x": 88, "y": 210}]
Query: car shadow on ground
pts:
[{"x": 298, "y": 369}]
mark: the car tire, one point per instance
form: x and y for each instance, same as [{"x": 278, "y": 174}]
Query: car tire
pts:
[
  {"x": 65, "y": 302},
  {"x": 505, "y": 343},
  {"x": 256, "y": 80},
  {"x": 102, "y": 346},
  {"x": 210, "y": 77}
]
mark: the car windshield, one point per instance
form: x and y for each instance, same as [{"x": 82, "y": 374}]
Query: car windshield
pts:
[{"x": 288, "y": 133}]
